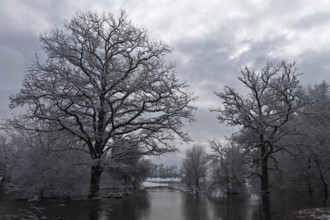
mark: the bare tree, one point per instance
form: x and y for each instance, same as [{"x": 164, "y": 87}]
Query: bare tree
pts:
[
  {"x": 194, "y": 166},
  {"x": 5, "y": 151},
  {"x": 43, "y": 164},
  {"x": 314, "y": 145},
  {"x": 104, "y": 80},
  {"x": 264, "y": 114},
  {"x": 229, "y": 166}
]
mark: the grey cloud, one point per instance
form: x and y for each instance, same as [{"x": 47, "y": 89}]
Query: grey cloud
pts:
[
  {"x": 208, "y": 60},
  {"x": 24, "y": 42},
  {"x": 202, "y": 59},
  {"x": 208, "y": 126},
  {"x": 12, "y": 63},
  {"x": 315, "y": 66},
  {"x": 205, "y": 62},
  {"x": 169, "y": 159},
  {"x": 263, "y": 50},
  {"x": 17, "y": 49},
  {"x": 311, "y": 21}
]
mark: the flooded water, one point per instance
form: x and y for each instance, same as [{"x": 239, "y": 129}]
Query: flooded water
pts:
[{"x": 161, "y": 204}]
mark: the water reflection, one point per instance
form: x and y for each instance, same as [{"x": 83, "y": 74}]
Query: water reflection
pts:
[
  {"x": 196, "y": 207},
  {"x": 239, "y": 207},
  {"x": 266, "y": 206},
  {"x": 164, "y": 204},
  {"x": 133, "y": 207}
]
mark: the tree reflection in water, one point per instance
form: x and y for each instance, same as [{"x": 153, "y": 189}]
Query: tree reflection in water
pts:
[
  {"x": 195, "y": 207},
  {"x": 266, "y": 206},
  {"x": 164, "y": 204}
]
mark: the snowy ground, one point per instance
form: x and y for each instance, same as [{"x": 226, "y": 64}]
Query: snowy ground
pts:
[
  {"x": 162, "y": 180},
  {"x": 152, "y": 184},
  {"x": 312, "y": 214},
  {"x": 159, "y": 182}
]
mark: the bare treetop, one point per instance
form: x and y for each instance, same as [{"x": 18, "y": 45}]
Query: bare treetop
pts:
[
  {"x": 265, "y": 115},
  {"x": 273, "y": 98},
  {"x": 104, "y": 80}
]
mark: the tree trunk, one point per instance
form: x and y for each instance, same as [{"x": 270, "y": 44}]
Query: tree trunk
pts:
[
  {"x": 227, "y": 181},
  {"x": 94, "y": 187},
  {"x": 197, "y": 182},
  {"x": 134, "y": 182},
  {"x": 264, "y": 178},
  {"x": 324, "y": 182},
  {"x": 1, "y": 188},
  {"x": 125, "y": 180},
  {"x": 309, "y": 186},
  {"x": 266, "y": 206},
  {"x": 264, "y": 172},
  {"x": 310, "y": 191},
  {"x": 325, "y": 190}
]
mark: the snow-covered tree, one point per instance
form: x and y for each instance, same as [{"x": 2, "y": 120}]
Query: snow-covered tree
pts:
[
  {"x": 5, "y": 161},
  {"x": 306, "y": 167},
  {"x": 194, "y": 166},
  {"x": 4, "y": 158},
  {"x": 124, "y": 166},
  {"x": 314, "y": 123},
  {"x": 143, "y": 171},
  {"x": 104, "y": 80},
  {"x": 41, "y": 165},
  {"x": 229, "y": 167},
  {"x": 263, "y": 114},
  {"x": 165, "y": 171}
]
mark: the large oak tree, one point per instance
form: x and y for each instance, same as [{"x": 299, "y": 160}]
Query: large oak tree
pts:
[{"x": 103, "y": 81}]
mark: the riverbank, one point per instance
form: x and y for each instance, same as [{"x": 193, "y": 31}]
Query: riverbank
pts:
[
  {"x": 165, "y": 183},
  {"x": 311, "y": 214}
]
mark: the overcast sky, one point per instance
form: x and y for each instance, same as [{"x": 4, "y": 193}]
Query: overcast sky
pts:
[{"x": 212, "y": 40}]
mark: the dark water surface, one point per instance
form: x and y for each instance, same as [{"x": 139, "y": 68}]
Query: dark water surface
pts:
[{"x": 162, "y": 204}]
